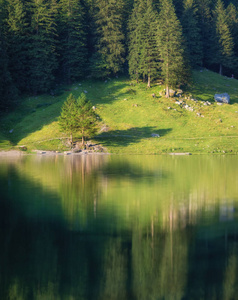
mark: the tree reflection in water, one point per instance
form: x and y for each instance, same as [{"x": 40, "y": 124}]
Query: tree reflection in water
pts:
[{"x": 105, "y": 227}]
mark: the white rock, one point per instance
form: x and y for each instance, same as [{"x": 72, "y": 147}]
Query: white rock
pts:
[{"x": 155, "y": 135}]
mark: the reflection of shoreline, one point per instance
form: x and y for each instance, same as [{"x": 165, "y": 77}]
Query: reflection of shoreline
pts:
[
  {"x": 172, "y": 192},
  {"x": 17, "y": 153},
  {"x": 11, "y": 153}
]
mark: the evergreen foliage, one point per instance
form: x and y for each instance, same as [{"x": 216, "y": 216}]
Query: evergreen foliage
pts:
[
  {"x": 78, "y": 117},
  {"x": 171, "y": 47},
  {"x": 192, "y": 34},
  {"x": 205, "y": 25},
  {"x": 7, "y": 89},
  {"x": 42, "y": 55},
  {"x": 143, "y": 50},
  {"x": 110, "y": 42},
  {"x": 149, "y": 53},
  {"x": 223, "y": 43},
  {"x": 135, "y": 38},
  {"x": 72, "y": 38},
  {"x": 18, "y": 41},
  {"x": 232, "y": 19},
  {"x": 47, "y": 41}
]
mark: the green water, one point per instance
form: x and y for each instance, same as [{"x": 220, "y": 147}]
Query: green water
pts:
[{"x": 119, "y": 227}]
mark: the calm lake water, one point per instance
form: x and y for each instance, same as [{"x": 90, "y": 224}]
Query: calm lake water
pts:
[{"x": 119, "y": 227}]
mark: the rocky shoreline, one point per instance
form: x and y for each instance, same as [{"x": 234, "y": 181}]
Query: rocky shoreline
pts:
[{"x": 48, "y": 153}]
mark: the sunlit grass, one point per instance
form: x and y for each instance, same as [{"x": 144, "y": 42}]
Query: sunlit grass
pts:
[{"x": 131, "y": 115}]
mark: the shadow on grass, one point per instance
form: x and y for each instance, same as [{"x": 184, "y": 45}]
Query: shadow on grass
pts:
[
  {"x": 42, "y": 111},
  {"x": 106, "y": 93},
  {"x": 126, "y": 137},
  {"x": 32, "y": 115}
]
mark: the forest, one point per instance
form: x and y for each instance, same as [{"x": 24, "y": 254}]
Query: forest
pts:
[{"x": 48, "y": 42}]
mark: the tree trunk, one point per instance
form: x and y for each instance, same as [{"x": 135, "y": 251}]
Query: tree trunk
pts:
[
  {"x": 148, "y": 81},
  {"x": 71, "y": 138},
  {"x": 220, "y": 71},
  {"x": 82, "y": 140},
  {"x": 167, "y": 91}
]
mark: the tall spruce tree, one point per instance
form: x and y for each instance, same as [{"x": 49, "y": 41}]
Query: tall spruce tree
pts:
[
  {"x": 135, "y": 37},
  {"x": 110, "y": 48},
  {"x": 18, "y": 40},
  {"x": 7, "y": 88},
  {"x": 149, "y": 62},
  {"x": 171, "y": 47},
  {"x": 42, "y": 47},
  {"x": 192, "y": 34},
  {"x": 232, "y": 19},
  {"x": 205, "y": 25},
  {"x": 143, "y": 49},
  {"x": 73, "y": 40},
  {"x": 223, "y": 41}
]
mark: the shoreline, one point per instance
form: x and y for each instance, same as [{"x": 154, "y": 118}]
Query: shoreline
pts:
[{"x": 18, "y": 153}]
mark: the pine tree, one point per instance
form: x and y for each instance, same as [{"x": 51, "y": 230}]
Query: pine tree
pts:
[
  {"x": 191, "y": 33},
  {"x": 73, "y": 40},
  {"x": 223, "y": 43},
  {"x": 18, "y": 41},
  {"x": 86, "y": 118},
  {"x": 143, "y": 50},
  {"x": 78, "y": 118},
  {"x": 8, "y": 91},
  {"x": 42, "y": 48},
  {"x": 205, "y": 25},
  {"x": 135, "y": 38},
  {"x": 232, "y": 19},
  {"x": 110, "y": 49},
  {"x": 149, "y": 63},
  {"x": 170, "y": 46},
  {"x": 67, "y": 119}
]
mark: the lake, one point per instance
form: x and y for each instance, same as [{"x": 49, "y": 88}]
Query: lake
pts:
[{"x": 118, "y": 227}]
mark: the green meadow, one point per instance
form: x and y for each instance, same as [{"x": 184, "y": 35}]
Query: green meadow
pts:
[{"x": 129, "y": 116}]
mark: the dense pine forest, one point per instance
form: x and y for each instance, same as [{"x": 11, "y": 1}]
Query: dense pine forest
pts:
[{"x": 48, "y": 42}]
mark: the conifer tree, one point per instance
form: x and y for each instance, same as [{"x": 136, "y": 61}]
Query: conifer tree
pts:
[
  {"x": 223, "y": 43},
  {"x": 143, "y": 50},
  {"x": 191, "y": 33},
  {"x": 135, "y": 38},
  {"x": 110, "y": 41},
  {"x": 205, "y": 25},
  {"x": 86, "y": 118},
  {"x": 78, "y": 118},
  {"x": 7, "y": 88},
  {"x": 18, "y": 41},
  {"x": 73, "y": 40},
  {"x": 67, "y": 119},
  {"x": 171, "y": 48},
  {"x": 149, "y": 55},
  {"x": 42, "y": 47},
  {"x": 232, "y": 19}
]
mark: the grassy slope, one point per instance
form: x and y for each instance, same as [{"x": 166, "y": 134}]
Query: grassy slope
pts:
[{"x": 132, "y": 115}]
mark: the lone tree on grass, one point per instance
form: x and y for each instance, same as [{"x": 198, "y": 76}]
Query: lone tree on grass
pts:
[{"x": 78, "y": 118}]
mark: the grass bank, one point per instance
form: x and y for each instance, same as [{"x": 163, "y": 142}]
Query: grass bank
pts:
[{"x": 130, "y": 117}]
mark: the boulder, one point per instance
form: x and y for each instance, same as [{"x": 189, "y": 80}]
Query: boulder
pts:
[
  {"x": 222, "y": 98},
  {"x": 179, "y": 93},
  {"x": 171, "y": 93},
  {"x": 155, "y": 135}
]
